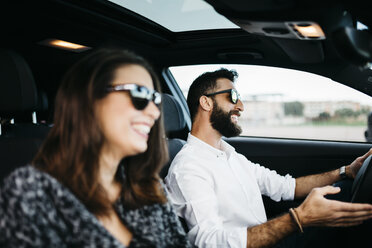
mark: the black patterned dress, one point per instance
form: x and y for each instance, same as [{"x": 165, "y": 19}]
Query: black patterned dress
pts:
[{"x": 38, "y": 211}]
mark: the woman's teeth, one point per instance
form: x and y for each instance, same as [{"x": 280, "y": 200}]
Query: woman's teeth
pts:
[{"x": 145, "y": 129}]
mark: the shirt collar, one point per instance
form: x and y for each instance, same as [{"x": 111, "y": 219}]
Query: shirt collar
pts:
[{"x": 226, "y": 148}]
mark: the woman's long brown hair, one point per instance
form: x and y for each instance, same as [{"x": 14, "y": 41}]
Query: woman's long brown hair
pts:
[{"x": 71, "y": 151}]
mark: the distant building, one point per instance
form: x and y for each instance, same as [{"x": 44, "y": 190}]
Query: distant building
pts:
[
  {"x": 313, "y": 109},
  {"x": 258, "y": 112}
]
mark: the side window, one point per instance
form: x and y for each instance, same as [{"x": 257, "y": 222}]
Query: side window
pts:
[{"x": 287, "y": 103}]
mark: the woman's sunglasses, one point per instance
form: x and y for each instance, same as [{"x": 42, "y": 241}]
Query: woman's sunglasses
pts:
[
  {"x": 234, "y": 95},
  {"x": 140, "y": 95}
]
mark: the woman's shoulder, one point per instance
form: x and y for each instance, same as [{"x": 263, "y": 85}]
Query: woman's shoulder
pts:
[
  {"x": 36, "y": 207},
  {"x": 25, "y": 177},
  {"x": 23, "y": 198},
  {"x": 31, "y": 195},
  {"x": 27, "y": 184},
  {"x": 24, "y": 171},
  {"x": 156, "y": 223}
]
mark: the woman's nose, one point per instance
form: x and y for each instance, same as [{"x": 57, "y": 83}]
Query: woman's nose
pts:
[{"x": 152, "y": 110}]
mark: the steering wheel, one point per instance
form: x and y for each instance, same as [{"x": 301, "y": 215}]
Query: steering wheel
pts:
[{"x": 361, "y": 190}]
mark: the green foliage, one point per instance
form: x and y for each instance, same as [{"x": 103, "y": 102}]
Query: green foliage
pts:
[
  {"x": 294, "y": 108},
  {"x": 346, "y": 112},
  {"x": 324, "y": 116}
]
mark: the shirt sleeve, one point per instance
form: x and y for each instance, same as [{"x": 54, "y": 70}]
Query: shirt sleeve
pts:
[
  {"x": 191, "y": 192},
  {"x": 273, "y": 185}
]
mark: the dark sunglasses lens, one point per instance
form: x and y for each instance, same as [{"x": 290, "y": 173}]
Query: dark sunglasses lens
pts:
[
  {"x": 234, "y": 96},
  {"x": 139, "y": 103},
  {"x": 141, "y": 97}
]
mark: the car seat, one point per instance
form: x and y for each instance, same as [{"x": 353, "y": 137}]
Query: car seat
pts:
[
  {"x": 19, "y": 142},
  {"x": 174, "y": 121}
]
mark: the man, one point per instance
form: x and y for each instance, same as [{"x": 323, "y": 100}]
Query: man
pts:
[{"x": 218, "y": 191}]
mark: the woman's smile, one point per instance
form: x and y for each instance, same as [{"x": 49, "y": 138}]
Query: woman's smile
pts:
[{"x": 143, "y": 129}]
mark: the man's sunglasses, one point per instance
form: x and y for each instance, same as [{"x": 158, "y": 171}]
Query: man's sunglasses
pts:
[
  {"x": 140, "y": 95},
  {"x": 234, "y": 95}
]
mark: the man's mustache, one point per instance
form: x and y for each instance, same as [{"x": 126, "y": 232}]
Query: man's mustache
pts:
[{"x": 234, "y": 112}]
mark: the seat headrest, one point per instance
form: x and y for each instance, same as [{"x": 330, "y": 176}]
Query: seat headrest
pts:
[
  {"x": 174, "y": 119},
  {"x": 18, "y": 91},
  {"x": 42, "y": 101}
]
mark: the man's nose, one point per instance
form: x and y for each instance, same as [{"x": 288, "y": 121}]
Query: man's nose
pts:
[{"x": 240, "y": 105}]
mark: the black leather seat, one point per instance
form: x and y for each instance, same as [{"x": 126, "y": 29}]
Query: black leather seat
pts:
[
  {"x": 19, "y": 142},
  {"x": 174, "y": 121}
]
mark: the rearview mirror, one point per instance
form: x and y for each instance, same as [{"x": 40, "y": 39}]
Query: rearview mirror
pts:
[{"x": 354, "y": 45}]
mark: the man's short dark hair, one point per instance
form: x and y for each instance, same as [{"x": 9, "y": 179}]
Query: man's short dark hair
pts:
[{"x": 206, "y": 83}]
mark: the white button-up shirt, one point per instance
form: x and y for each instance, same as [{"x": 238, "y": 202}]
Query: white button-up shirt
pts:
[{"x": 218, "y": 193}]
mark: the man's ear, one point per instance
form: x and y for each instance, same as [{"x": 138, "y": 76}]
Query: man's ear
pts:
[{"x": 206, "y": 103}]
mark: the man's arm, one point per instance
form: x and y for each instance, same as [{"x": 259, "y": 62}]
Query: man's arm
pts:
[
  {"x": 314, "y": 211},
  {"x": 270, "y": 232},
  {"x": 306, "y": 183}
]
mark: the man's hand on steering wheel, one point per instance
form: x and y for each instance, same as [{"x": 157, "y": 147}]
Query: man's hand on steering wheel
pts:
[
  {"x": 316, "y": 210},
  {"x": 353, "y": 168}
]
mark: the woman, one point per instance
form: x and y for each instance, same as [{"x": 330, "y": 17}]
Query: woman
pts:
[{"x": 94, "y": 182}]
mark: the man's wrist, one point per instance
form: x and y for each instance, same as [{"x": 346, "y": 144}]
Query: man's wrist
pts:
[
  {"x": 342, "y": 172},
  {"x": 349, "y": 173},
  {"x": 296, "y": 219},
  {"x": 345, "y": 172}
]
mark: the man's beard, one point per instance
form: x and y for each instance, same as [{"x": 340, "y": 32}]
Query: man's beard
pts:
[{"x": 221, "y": 121}]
